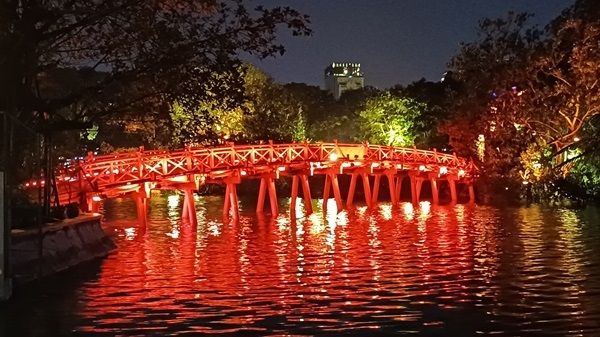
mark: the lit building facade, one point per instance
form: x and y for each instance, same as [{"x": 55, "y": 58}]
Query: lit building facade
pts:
[{"x": 341, "y": 77}]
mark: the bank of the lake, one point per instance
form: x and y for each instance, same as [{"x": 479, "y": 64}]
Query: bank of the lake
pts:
[{"x": 55, "y": 247}]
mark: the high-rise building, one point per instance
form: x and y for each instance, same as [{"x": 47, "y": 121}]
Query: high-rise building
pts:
[{"x": 341, "y": 77}]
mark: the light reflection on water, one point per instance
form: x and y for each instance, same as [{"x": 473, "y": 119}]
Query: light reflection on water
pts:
[{"x": 435, "y": 270}]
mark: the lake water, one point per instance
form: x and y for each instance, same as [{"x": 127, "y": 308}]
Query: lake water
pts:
[{"x": 408, "y": 270}]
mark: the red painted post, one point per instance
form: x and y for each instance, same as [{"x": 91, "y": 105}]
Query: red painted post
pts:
[
  {"x": 141, "y": 206},
  {"x": 434, "y": 190},
  {"x": 233, "y": 199},
  {"x": 398, "y": 187},
  {"x": 262, "y": 191},
  {"x": 306, "y": 194},
  {"x": 471, "y": 193},
  {"x": 326, "y": 191},
  {"x": 418, "y": 186},
  {"x": 366, "y": 188},
  {"x": 184, "y": 210},
  {"x": 413, "y": 189},
  {"x": 294, "y": 195},
  {"x": 390, "y": 179},
  {"x": 350, "y": 199},
  {"x": 375, "y": 194},
  {"x": 452, "y": 184},
  {"x": 190, "y": 207},
  {"x": 273, "y": 197},
  {"x": 226, "y": 202},
  {"x": 336, "y": 192}
]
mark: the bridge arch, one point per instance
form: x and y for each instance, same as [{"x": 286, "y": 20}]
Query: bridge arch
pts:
[{"x": 136, "y": 173}]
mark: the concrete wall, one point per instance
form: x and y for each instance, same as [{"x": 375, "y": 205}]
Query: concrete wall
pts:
[{"x": 64, "y": 245}]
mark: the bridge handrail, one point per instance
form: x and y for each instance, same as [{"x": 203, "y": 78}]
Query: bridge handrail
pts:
[{"x": 121, "y": 167}]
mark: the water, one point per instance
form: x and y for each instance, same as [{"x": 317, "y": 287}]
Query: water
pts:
[{"x": 423, "y": 270}]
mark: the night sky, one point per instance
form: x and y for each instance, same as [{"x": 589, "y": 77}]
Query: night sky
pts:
[{"x": 396, "y": 41}]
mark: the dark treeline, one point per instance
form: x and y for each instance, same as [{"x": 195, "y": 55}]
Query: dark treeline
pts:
[{"x": 522, "y": 101}]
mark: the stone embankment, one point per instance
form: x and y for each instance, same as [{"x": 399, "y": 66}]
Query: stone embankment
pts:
[{"x": 63, "y": 245}]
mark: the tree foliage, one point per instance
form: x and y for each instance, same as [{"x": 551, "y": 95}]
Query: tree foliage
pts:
[
  {"x": 391, "y": 120},
  {"x": 150, "y": 52}
]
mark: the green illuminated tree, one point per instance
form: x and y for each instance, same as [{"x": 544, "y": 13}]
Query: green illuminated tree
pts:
[
  {"x": 267, "y": 112},
  {"x": 391, "y": 120}
]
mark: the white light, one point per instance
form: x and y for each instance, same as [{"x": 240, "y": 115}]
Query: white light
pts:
[
  {"x": 333, "y": 156},
  {"x": 96, "y": 198},
  {"x": 461, "y": 173},
  {"x": 422, "y": 168},
  {"x": 243, "y": 172},
  {"x": 443, "y": 170},
  {"x": 281, "y": 168},
  {"x": 576, "y": 139}
]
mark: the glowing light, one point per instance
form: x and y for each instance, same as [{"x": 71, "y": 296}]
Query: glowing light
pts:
[
  {"x": 408, "y": 210},
  {"x": 461, "y": 173},
  {"x": 281, "y": 168},
  {"x": 333, "y": 156},
  {"x": 173, "y": 201},
  {"x": 525, "y": 182},
  {"x": 425, "y": 207},
  {"x": 243, "y": 172},
  {"x": 576, "y": 139},
  {"x": 443, "y": 170},
  {"x": 422, "y": 168},
  {"x": 96, "y": 198},
  {"x": 129, "y": 233}
]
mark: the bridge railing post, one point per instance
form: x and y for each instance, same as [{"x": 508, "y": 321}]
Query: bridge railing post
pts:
[{"x": 271, "y": 151}]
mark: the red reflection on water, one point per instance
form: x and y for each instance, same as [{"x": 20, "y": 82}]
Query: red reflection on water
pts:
[{"x": 360, "y": 269}]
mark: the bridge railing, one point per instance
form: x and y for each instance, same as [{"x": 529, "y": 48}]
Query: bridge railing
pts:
[{"x": 119, "y": 168}]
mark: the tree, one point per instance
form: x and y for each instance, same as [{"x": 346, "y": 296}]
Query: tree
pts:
[
  {"x": 267, "y": 112},
  {"x": 150, "y": 52},
  {"x": 435, "y": 96},
  {"x": 390, "y": 120},
  {"x": 487, "y": 106}
]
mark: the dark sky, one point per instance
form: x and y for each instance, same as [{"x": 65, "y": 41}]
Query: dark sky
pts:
[{"x": 396, "y": 41}]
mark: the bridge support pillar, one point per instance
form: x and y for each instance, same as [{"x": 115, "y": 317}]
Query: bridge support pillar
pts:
[
  {"x": 471, "y": 192},
  {"x": 302, "y": 178},
  {"x": 452, "y": 184},
  {"x": 295, "y": 180},
  {"x": 392, "y": 187},
  {"x": 435, "y": 196},
  {"x": 189, "y": 207},
  {"x": 398, "y": 187},
  {"x": 273, "y": 197},
  {"x": 415, "y": 187},
  {"x": 331, "y": 181},
  {"x": 231, "y": 201},
  {"x": 262, "y": 191},
  {"x": 350, "y": 198},
  {"x": 267, "y": 184},
  {"x": 366, "y": 188},
  {"x": 141, "y": 205},
  {"x": 375, "y": 194}
]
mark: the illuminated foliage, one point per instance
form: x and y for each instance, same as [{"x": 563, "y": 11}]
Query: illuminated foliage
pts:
[
  {"x": 267, "y": 112},
  {"x": 387, "y": 119}
]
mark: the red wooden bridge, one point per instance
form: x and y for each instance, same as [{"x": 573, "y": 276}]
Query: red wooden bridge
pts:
[{"x": 136, "y": 173}]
